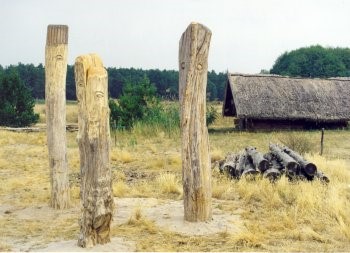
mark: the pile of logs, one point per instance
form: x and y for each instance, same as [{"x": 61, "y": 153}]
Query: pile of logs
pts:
[{"x": 281, "y": 160}]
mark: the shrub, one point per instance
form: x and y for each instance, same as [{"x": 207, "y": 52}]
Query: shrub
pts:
[
  {"x": 297, "y": 141},
  {"x": 134, "y": 104},
  {"x": 212, "y": 115},
  {"x": 16, "y": 102},
  {"x": 139, "y": 106}
]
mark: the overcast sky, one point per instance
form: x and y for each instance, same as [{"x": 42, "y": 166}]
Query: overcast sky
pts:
[{"x": 247, "y": 35}]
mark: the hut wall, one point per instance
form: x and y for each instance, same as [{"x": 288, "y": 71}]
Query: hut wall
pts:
[{"x": 265, "y": 124}]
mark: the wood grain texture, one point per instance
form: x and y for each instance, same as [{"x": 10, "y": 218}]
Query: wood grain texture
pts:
[
  {"x": 55, "y": 100},
  {"x": 56, "y": 35},
  {"x": 196, "y": 167},
  {"x": 94, "y": 147}
]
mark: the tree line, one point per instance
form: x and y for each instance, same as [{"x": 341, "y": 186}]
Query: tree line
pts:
[
  {"x": 165, "y": 81},
  {"x": 314, "y": 61}
]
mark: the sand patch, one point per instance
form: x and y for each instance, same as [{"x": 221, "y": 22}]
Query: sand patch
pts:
[
  {"x": 116, "y": 245},
  {"x": 170, "y": 215},
  {"x": 167, "y": 215},
  {"x": 44, "y": 212}
]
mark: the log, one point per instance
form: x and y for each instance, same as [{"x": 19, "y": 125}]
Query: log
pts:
[
  {"x": 309, "y": 168},
  {"x": 258, "y": 159},
  {"x": 244, "y": 166},
  {"x": 249, "y": 169},
  {"x": 322, "y": 177},
  {"x": 292, "y": 167},
  {"x": 272, "y": 174},
  {"x": 241, "y": 163},
  {"x": 196, "y": 172},
  {"x": 229, "y": 166},
  {"x": 273, "y": 163},
  {"x": 21, "y": 129},
  {"x": 275, "y": 170},
  {"x": 94, "y": 148},
  {"x": 56, "y": 52}
]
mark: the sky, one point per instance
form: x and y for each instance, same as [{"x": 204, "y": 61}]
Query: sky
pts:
[{"x": 247, "y": 35}]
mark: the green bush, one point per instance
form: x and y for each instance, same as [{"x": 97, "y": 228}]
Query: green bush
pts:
[
  {"x": 212, "y": 115},
  {"x": 16, "y": 102},
  {"x": 140, "y": 106},
  {"x": 136, "y": 102},
  {"x": 164, "y": 118}
]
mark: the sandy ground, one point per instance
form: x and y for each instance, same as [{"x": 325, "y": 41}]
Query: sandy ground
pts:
[
  {"x": 116, "y": 245},
  {"x": 167, "y": 214}
]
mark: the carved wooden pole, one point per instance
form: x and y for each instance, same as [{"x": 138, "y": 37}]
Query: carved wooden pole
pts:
[
  {"x": 94, "y": 146},
  {"x": 196, "y": 172},
  {"x": 55, "y": 98}
]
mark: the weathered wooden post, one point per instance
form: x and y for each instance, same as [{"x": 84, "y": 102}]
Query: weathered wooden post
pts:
[
  {"x": 94, "y": 147},
  {"x": 196, "y": 172},
  {"x": 55, "y": 98},
  {"x": 322, "y": 136}
]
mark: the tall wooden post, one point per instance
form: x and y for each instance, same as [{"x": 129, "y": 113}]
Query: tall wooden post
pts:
[
  {"x": 94, "y": 147},
  {"x": 196, "y": 172},
  {"x": 56, "y": 52}
]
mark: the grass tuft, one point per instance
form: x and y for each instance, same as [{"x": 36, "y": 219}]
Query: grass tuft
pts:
[
  {"x": 120, "y": 189},
  {"x": 168, "y": 183},
  {"x": 121, "y": 155}
]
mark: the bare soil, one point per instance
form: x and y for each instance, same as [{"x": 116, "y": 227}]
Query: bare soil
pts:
[{"x": 167, "y": 215}]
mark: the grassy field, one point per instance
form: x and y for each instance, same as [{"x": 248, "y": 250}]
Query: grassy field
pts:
[{"x": 303, "y": 216}]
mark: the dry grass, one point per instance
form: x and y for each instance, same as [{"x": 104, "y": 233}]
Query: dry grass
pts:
[
  {"x": 304, "y": 216},
  {"x": 71, "y": 112},
  {"x": 120, "y": 189},
  {"x": 168, "y": 183},
  {"x": 123, "y": 156}
]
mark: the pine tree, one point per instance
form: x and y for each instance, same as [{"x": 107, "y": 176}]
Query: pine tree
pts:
[{"x": 16, "y": 102}]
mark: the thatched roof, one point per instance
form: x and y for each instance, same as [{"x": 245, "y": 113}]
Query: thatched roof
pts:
[{"x": 278, "y": 97}]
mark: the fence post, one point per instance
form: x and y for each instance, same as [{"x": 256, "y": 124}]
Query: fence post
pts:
[{"x": 322, "y": 135}]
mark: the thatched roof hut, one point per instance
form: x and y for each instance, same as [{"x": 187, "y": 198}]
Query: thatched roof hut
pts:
[{"x": 273, "y": 98}]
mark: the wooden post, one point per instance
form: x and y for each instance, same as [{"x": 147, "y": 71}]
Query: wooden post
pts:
[
  {"x": 55, "y": 98},
  {"x": 322, "y": 135},
  {"x": 115, "y": 132},
  {"x": 94, "y": 147},
  {"x": 196, "y": 172}
]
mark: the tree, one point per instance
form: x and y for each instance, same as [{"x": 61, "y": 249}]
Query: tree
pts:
[
  {"x": 314, "y": 61},
  {"x": 16, "y": 102},
  {"x": 133, "y": 105}
]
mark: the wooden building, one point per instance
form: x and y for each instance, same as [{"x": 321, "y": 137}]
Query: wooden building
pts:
[{"x": 278, "y": 102}]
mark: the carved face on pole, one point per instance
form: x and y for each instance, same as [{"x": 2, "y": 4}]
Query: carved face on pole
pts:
[
  {"x": 91, "y": 85},
  {"x": 80, "y": 79},
  {"x": 96, "y": 100}
]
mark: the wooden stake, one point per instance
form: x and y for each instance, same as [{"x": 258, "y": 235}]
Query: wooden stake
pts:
[
  {"x": 196, "y": 172},
  {"x": 115, "y": 132},
  {"x": 56, "y": 52},
  {"x": 94, "y": 146},
  {"x": 322, "y": 134}
]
